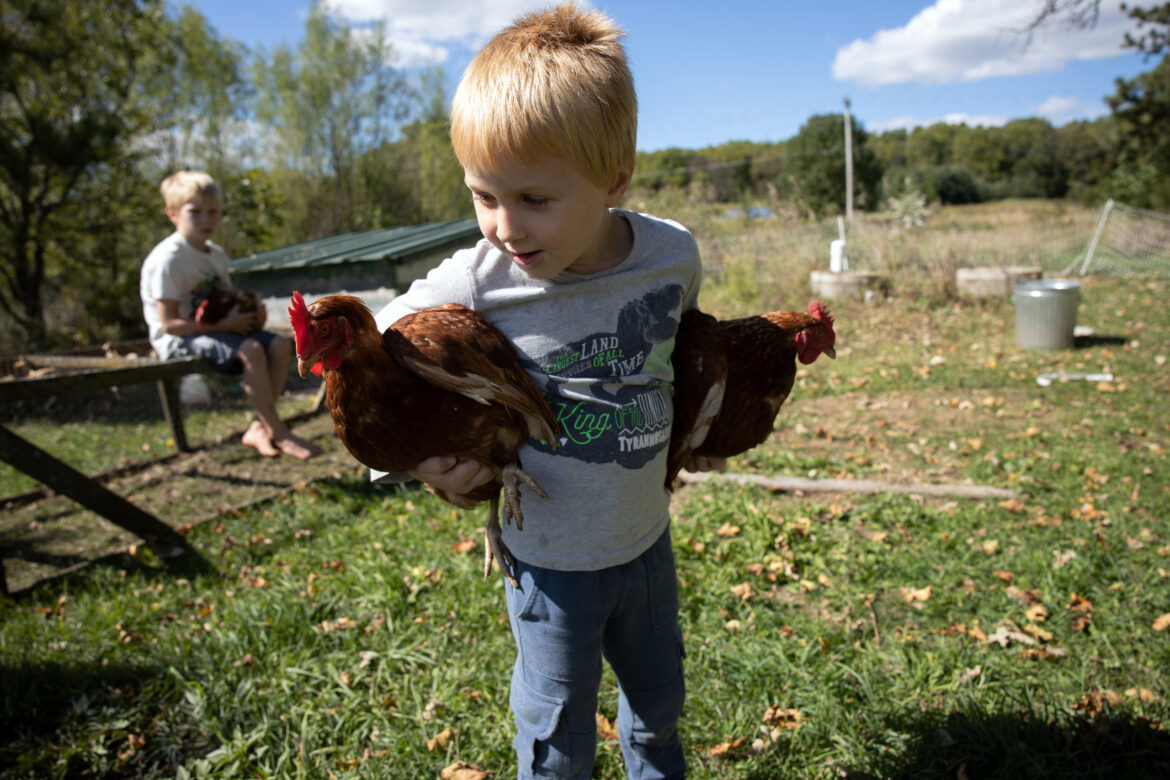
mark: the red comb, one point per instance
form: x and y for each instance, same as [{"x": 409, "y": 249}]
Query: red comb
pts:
[
  {"x": 819, "y": 310},
  {"x": 298, "y": 317}
]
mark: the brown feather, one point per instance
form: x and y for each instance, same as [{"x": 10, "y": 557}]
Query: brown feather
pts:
[
  {"x": 405, "y": 396},
  {"x": 758, "y": 356}
]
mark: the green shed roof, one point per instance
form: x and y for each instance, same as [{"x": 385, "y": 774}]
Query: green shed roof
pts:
[{"x": 384, "y": 244}]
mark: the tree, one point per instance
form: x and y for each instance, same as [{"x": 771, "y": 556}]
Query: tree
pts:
[
  {"x": 1032, "y": 160},
  {"x": 432, "y": 172},
  {"x": 328, "y": 102},
  {"x": 817, "y": 154},
  {"x": 69, "y": 73},
  {"x": 1084, "y": 13},
  {"x": 1140, "y": 105},
  {"x": 201, "y": 94},
  {"x": 980, "y": 150},
  {"x": 1141, "y": 108}
]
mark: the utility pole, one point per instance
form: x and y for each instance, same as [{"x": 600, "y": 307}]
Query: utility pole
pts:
[{"x": 848, "y": 163}]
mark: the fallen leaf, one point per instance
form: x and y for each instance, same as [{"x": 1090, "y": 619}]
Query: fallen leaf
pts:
[
  {"x": 910, "y": 595},
  {"x": 1004, "y": 636},
  {"x": 1096, "y": 700},
  {"x": 969, "y": 674},
  {"x": 727, "y": 530},
  {"x": 1078, "y": 603},
  {"x": 1142, "y": 694},
  {"x": 1162, "y": 622},
  {"x": 1039, "y": 633},
  {"x": 1045, "y": 653},
  {"x": 742, "y": 591},
  {"x": 441, "y": 740},
  {"x": 464, "y": 546},
  {"x": 990, "y": 546},
  {"x": 726, "y": 747},
  {"x": 605, "y": 730},
  {"x": 785, "y": 718},
  {"x": 461, "y": 770},
  {"x": 1037, "y": 613}
]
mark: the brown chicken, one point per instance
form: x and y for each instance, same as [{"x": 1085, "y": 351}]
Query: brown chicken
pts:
[
  {"x": 442, "y": 381},
  {"x": 731, "y": 378},
  {"x": 213, "y": 300}
]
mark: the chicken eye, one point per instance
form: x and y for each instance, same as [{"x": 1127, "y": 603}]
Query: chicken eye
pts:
[{"x": 324, "y": 329}]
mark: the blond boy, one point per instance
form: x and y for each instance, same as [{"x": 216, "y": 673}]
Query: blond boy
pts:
[
  {"x": 237, "y": 344},
  {"x": 544, "y": 125}
]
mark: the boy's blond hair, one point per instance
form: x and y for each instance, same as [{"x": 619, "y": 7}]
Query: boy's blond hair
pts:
[
  {"x": 554, "y": 83},
  {"x": 184, "y": 186}
]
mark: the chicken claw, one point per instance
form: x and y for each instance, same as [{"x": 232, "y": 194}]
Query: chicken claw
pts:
[
  {"x": 495, "y": 549},
  {"x": 512, "y": 475}
]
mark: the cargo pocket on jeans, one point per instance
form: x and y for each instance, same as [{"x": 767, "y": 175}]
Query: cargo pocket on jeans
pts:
[{"x": 540, "y": 744}]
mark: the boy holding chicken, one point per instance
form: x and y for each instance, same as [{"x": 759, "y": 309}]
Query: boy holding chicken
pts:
[
  {"x": 544, "y": 125},
  {"x": 236, "y": 344}
]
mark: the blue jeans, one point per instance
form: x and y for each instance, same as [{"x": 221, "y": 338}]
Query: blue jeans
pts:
[
  {"x": 221, "y": 348},
  {"x": 564, "y": 622}
]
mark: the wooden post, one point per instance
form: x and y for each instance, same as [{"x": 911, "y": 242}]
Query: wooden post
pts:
[
  {"x": 168, "y": 394},
  {"x": 167, "y": 543},
  {"x": 848, "y": 163}
]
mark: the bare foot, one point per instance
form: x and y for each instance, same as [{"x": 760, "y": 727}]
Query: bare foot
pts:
[
  {"x": 297, "y": 447},
  {"x": 256, "y": 436}
]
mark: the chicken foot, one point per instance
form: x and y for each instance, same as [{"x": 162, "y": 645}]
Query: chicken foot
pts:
[
  {"x": 494, "y": 548},
  {"x": 512, "y": 475}
]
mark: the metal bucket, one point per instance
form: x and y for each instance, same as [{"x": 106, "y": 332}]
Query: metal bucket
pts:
[{"x": 1046, "y": 313}]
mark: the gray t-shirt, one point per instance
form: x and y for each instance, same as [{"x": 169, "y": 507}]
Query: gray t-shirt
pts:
[{"x": 599, "y": 347}]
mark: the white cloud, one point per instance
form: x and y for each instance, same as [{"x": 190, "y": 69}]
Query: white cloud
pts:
[
  {"x": 969, "y": 40},
  {"x": 1060, "y": 110},
  {"x": 422, "y": 32},
  {"x": 958, "y": 118}
]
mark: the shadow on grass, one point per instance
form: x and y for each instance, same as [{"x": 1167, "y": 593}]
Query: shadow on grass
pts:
[
  {"x": 1025, "y": 746},
  {"x": 1085, "y": 342},
  {"x": 68, "y": 720}
]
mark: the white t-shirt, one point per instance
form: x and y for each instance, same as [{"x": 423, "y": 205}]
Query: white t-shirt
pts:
[{"x": 173, "y": 270}]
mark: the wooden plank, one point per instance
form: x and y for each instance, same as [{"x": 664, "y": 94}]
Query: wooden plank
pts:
[
  {"x": 150, "y": 371},
  {"x": 806, "y": 485},
  {"x": 167, "y": 543},
  {"x": 85, "y": 361}
]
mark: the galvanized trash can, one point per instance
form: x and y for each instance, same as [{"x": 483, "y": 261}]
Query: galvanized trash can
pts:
[{"x": 1046, "y": 313}]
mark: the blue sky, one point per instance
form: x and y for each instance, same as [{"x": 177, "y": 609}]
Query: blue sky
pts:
[{"x": 756, "y": 70}]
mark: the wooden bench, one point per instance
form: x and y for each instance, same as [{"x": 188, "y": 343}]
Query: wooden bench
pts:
[{"x": 75, "y": 373}]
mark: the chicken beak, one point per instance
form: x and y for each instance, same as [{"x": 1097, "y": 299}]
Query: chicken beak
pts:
[
  {"x": 829, "y": 351},
  {"x": 305, "y": 364}
]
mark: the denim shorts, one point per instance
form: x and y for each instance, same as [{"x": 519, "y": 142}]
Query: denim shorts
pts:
[
  {"x": 221, "y": 348},
  {"x": 564, "y": 623}
]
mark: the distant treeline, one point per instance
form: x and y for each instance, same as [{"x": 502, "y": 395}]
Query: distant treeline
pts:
[{"x": 948, "y": 163}]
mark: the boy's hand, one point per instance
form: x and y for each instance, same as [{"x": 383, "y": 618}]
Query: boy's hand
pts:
[
  {"x": 704, "y": 463},
  {"x": 451, "y": 474},
  {"x": 237, "y": 321}
]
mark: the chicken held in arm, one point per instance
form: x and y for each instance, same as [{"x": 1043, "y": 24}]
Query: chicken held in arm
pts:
[
  {"x": 731, "y": 378},
  {"x": 441, "y": 381}
]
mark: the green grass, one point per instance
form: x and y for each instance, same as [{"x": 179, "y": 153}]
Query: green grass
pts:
[{"x": 887, "y": 635}]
